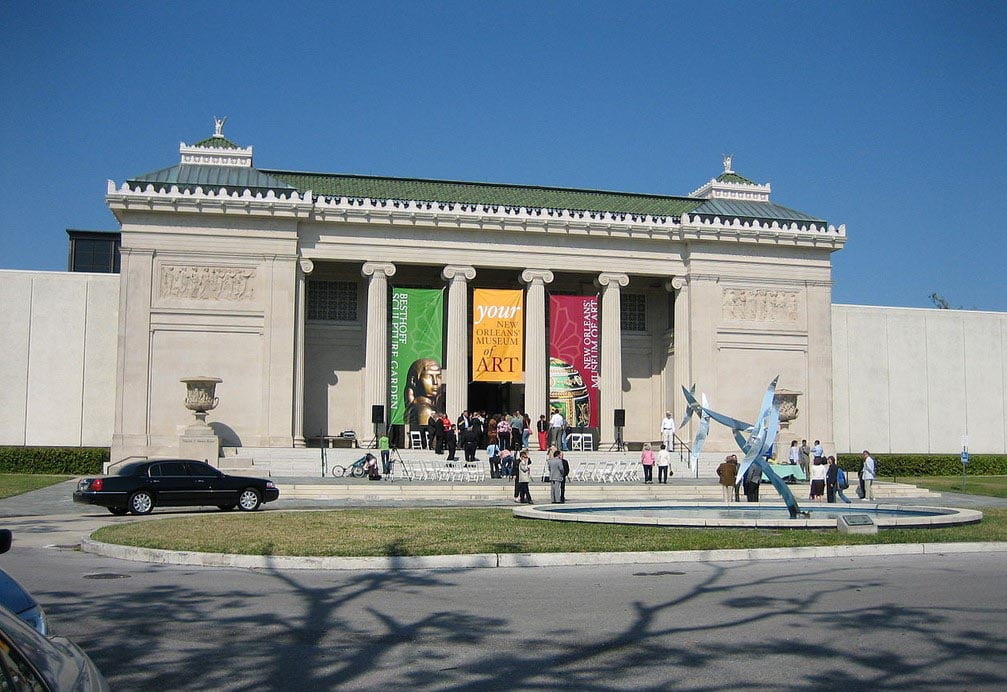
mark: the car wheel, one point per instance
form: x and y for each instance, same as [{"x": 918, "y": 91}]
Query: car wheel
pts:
[
  {"x": 226, "y": 508},
  {"x": 358, "y": 472},
  {"x": 249, "y": 500},
  {"x": 338, "y": 471},
  {"x": 118, "y": 511},
  {"x": 141, "y": 502}
]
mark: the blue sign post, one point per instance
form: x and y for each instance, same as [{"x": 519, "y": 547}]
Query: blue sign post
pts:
[{"x": 965, "y": 461}]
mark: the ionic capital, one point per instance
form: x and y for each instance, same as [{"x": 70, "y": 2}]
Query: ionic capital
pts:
[
  {"x": 458, "y": 272},
  {"x": 537, "y": 276},
  {"x": 606, "y": 279},
  {"x": 677, "y": 283},
  {"x": 375, "y": 268},
  {"x": 306, "y": 265}
]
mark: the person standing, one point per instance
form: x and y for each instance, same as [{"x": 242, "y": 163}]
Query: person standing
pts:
[
  {"x": 566, "y": 474},
  {"x": 493, "y": 452},
  {"x": 804, "y": 458},
  {"x": 503, "y": 432},
  {"x": 556, "y": 477},
  {"x": 663, "y": 464},
  {"x": 517, "y": 431},
  {"x": 795, "y": 453},
  {"x": 525, "y": 430},
  {"x": 817, "y": 452},
  {"x": 728, "y": 472},
  {"x": 647, "y": 459},
  {"x": 385, "y": 449},
  {"x": 524, "y": 478},
  {"x": 841, "y": 481},
  {"x": 819, "y": 469},
  {"x": 469, "y": 442},
  {"x": 752, "y": 480},
  {"x": 542, "y": 427},
  {"x": 668, "y": 431},
  {"x": 435, "y": 434},
  {"x": 870, "y": 470},
  {"x": 556, "y": 425},
  {"x": 450, "y": 440}
]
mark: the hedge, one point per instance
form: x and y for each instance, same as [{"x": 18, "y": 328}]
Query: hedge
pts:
[
  {"x": 74, "y": 461},
  {"x": 929, "y": 464}
]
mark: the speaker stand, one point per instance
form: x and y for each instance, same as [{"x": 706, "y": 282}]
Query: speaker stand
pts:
[{"x": 618, "y": 445}]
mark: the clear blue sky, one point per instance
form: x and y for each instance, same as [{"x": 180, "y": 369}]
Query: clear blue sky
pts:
[{"x": 890, "y": 117}]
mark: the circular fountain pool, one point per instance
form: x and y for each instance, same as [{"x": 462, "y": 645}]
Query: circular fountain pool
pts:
[{"x": 745, "y": 515}]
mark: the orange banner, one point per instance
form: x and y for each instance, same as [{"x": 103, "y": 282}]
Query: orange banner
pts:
[{"x": 497, "y": 335}]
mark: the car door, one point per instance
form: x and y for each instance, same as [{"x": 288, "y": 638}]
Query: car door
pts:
[
  {"x": 207, "y": 486},
  {"x": 172, "y": 483}
]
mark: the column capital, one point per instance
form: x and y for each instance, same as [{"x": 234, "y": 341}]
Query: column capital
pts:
[
  {"x": 306, "y": 265},
  {"x": 459, "y": 272},
  {"x": 539, "y": 276},
  {"x": 676, "y": 283},
  {"x": 606, "y": 279},
  {"x": 372, "y": 268}
]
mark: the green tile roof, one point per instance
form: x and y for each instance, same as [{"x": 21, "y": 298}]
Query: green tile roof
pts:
[
  {"x": 216, "y": 141},
  {"x": 734, "y": 178},
  {"x": 374, "y": 187},
  {"x": 188, "y": 176}
]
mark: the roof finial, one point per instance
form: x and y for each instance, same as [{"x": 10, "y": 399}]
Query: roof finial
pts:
[
  {"x": 728, "y": 158},
  {"x": 218, "y": 126}
]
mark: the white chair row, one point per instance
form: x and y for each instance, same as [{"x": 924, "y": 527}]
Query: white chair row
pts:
[
  {"x": 622, "y": 470},
  {"x": 425, "y": 470}
]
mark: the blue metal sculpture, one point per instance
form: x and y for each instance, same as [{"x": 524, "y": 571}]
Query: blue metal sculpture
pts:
[
  {"x": 701, "y": 432},
  {"x": 756, "y": 440}
]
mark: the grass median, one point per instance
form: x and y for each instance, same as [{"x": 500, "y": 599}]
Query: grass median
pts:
[
  {"x": 17, "y": 483},
  {"x": 991, "y": 486},
  {"x": 447, "y": 531}
]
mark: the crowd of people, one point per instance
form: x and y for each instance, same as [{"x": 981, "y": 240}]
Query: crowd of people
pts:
[
  {"x": 828, "y": 480},
  {"x": 474, "y": 430}
]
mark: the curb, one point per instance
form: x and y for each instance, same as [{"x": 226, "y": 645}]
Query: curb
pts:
[{"x": 490, "y": 560}]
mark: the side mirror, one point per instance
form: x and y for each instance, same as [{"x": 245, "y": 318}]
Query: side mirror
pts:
[{"x": 6, "y": 537}]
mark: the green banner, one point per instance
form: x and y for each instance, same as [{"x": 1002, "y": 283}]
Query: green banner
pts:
[{"x": 417, "y": 349}]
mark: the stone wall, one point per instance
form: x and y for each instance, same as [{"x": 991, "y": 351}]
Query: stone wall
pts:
[
  {"x": 57, "y": 369},
  {"x": 914, "y": 380}
]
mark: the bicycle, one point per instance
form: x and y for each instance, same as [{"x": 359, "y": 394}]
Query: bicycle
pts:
[{"x": 355, "y": 470}]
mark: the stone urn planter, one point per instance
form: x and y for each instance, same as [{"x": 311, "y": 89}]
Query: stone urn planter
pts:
[
  {"x": 786, "y": 402},
  {"x": 199, "y": 395}
]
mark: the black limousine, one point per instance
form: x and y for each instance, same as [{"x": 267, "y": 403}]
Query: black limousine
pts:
[{"x": 139, "y": 486}]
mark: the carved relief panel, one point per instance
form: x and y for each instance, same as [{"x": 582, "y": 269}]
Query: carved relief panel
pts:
[
  {"x": 760, "y": 305},
  {"x": 227, "y": 284}
]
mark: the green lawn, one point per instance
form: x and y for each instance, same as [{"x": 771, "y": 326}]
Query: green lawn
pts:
[
  {"x": 17, "y": 483},
  {"x": 457, "y": 531},
  {"x": 992, "y": 486}
]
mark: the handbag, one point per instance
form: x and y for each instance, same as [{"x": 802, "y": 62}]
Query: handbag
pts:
[{"x": 860, "y": 492}]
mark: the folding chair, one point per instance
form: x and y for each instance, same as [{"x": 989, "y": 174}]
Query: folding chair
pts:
[{"x": 415, "y": 439}]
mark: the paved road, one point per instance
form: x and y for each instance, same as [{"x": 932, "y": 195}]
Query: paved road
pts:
[
  {"x": 935, "y": 622},
  {"x": 931, "y": 622}
]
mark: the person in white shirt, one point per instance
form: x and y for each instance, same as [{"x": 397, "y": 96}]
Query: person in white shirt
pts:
[
  {"x": 867, "y": 475},
  {"x": 556, "y": 425},
  {"x": 668, "y": 430},
  {"x": 795, "y": 452},
  {"x": 663, "y": 464},
  {"x": 817, "y": 452}
]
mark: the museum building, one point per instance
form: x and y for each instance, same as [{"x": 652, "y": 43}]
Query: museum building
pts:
[
  {"x": 281, "y": 284},
  {"x": 328, "y": 302}
]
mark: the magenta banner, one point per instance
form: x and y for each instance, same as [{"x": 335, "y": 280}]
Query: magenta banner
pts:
[{"x": 573, "y": 358}]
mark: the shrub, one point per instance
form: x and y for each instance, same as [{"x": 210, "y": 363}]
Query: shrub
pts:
[
  {"x": 929, "y": 464},
  {"x": 75, "y": 461}
]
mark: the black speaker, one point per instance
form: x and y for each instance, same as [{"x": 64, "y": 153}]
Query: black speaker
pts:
[
  {"x": 619, "y": 419},
  {"x": 378, "y": 413}
]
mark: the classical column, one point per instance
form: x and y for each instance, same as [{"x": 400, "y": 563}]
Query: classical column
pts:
[
  {"x": 611, "y": 349},
  {"x": 376, "y": 353},
  {"x": 304, "y": 267},
  {"x": 536, "y": 366},
  {"x": 456, "y": 376},
  {"x": 682, "y": 372}
]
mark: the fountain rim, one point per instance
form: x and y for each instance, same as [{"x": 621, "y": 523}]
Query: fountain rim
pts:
[{"x": 946, "y": 516}]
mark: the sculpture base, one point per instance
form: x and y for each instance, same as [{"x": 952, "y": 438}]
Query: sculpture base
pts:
[{"x": 199, "y": 442}]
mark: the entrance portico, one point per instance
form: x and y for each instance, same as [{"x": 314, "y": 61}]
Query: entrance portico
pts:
[{"x": 279, "y": 282}]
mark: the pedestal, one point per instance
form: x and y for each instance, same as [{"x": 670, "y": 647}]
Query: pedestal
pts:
[{"x": 201, "y": 443}]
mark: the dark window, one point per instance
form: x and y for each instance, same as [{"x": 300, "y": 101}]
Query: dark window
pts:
[
  {"x": 169, "y": 468},
  {"x": 671, "y": 309},
  {"x": 198, "y": 469},
  {"x": 98, "y": 253},
  {"x": 633, "y": 308},
  {"x": 332, "y": 300}
]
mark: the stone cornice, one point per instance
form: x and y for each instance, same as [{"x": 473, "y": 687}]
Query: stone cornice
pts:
[
  {"x": 215, "y": 156},
  {"x": 472, "y": 216},
  {"x": 216, "y": 201}
]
